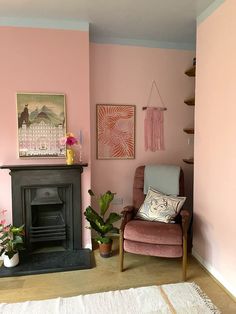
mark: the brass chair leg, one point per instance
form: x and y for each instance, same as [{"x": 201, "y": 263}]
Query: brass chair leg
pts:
[
  {"x": 121, "y": 249},
  {"x": 185, "y": 254}
]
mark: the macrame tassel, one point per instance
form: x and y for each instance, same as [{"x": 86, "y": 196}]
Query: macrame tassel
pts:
[{"x": 154, "y": 129}]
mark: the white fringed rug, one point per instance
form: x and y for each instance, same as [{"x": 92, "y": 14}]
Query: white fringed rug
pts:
[{"x": 180, "y": 298}]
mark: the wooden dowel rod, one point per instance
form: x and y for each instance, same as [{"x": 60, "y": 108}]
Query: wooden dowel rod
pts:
[{"x": 157, "y": 108}]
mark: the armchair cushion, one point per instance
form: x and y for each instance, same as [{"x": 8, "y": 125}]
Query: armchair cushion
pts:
[
  {"x": 153, "y": 232},
  {"x": 160, "y": 207}
]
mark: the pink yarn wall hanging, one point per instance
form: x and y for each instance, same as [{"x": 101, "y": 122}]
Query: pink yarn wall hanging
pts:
[{"x": 154, "y": 124}]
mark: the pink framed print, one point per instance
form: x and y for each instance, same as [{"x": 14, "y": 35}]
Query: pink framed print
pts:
[{"x": 115, "y": 131}]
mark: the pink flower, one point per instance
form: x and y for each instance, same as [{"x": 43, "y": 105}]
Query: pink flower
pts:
[
  {"x": 2, "y": 215},
  {"x": 2, "y": 222},
  {"x": 3, "y": 212},
  {"x": 6, "y": 229},
  {"x": 71, "y": 140},
  {"x": 63, "y": 141}
]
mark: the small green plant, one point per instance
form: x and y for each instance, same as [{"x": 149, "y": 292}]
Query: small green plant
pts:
[
  {"x": 98, "y": 222},
  {"x": 11, "y": 238}
]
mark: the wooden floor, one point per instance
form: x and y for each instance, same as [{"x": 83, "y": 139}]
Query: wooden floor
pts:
[{"x": 140, "y": 271}]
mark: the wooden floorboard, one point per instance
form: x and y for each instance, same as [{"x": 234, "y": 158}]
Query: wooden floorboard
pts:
[{"x": 105, "y": 276}]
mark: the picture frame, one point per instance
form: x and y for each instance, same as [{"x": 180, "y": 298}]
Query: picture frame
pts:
[
  {"x": 41, "y": 121},
  {"x": 115, "y": 125}
]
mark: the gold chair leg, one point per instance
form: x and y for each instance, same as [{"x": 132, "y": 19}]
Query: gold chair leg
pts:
[
  {"x": 185, "y": 254},
  {"x": 121, "y": 251}
]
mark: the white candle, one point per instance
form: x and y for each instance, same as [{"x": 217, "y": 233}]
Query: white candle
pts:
[{"x": 80, "y": 137}]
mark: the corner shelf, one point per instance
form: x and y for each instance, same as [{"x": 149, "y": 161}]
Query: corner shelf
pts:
[
  {"x": 190, "y": 102},
  {"x": 189, "y": 161},
  {"x": 189, "y": 130},
  {"x": 191, "y": 72}
]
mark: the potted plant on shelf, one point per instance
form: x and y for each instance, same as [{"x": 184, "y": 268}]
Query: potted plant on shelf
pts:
[
  {"x": 103, "y": 226},
  {"x": 11, "y": 242}
]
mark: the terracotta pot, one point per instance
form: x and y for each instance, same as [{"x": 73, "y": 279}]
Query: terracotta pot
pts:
[
  {"x": 105, "y": 249},
  {"x": 11, "y": 262}
]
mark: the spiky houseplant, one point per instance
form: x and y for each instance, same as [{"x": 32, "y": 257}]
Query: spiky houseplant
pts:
[{"x": 98, "y": 222}]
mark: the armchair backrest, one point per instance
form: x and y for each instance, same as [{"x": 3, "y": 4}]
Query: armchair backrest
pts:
[{"x": 139, "y": 196}]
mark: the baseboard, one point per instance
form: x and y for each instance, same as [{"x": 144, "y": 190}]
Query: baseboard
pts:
[
  {"x": 88, "y": 246},
  {"x": 227, "y": 287}
]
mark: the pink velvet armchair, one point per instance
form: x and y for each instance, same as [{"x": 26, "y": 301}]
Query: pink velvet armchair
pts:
[{"x": 151, "y": 237}]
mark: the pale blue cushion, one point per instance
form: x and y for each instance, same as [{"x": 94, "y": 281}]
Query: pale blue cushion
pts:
[{"x": 164, "y": 178}]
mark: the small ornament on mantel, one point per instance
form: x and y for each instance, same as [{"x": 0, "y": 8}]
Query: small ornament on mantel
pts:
[
  {"x": 154, "y": 122},
  {"x": 69, "y": 140}
]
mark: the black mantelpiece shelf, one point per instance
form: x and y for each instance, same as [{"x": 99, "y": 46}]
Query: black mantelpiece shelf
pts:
[{"x": 46, "y": 166}]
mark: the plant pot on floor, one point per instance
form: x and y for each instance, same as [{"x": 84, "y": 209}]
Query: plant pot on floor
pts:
[
  {"x": 11, "y": 262},
  {"x": 105, "y": 249}
]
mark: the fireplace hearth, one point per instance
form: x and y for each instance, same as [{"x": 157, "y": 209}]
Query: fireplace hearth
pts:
[{"x": 47, "y": 200}]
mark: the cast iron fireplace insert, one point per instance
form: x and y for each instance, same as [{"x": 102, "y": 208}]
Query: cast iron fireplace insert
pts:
[{"x": 47, "y": 200}]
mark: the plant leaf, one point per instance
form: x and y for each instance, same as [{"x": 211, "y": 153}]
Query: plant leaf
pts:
[
  {"x": 104, "y": 201},
  {"x": 10, "y": 254},
  {"x": 115, "y": 230},
  {"x": 104, "y": 240},
  {"x": 3, "y": 236},
  {"x": 96, "y": 222},
  {"x": 18, "y": 240},
  {"x": 17, "y": 230},
  {"x": 113, "y": 217}
]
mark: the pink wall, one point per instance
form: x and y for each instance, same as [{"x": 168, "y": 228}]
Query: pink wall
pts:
[
  {"x": 123, "y": 75},
  {"x": 215, "y": 152},
  {"x": 43, "y": 60}
]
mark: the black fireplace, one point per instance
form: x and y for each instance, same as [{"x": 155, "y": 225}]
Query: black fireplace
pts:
[{"x": 47, "y": 200}]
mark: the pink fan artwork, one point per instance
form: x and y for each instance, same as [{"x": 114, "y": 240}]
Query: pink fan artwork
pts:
[{"x": 115, "y": 131}]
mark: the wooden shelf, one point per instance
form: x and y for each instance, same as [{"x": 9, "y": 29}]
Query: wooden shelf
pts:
[
  {"x": 190, "y": 102},
  {"x": 189, "y": 130},
  {"x": 191, "y": 72},
  {"x": 189, "y": 161}
]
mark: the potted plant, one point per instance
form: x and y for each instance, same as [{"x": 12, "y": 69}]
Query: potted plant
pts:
[
  {"x": 11, "y": 242},
  {"x": 103, "y": 226}
]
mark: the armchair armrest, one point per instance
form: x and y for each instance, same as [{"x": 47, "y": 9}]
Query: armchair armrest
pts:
[
  {"x": 126, "y": 209},
  {"x": 186, "y": 216},
  {"x": 128, "y": 213}
]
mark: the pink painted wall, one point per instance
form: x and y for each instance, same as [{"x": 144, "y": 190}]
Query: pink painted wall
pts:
[
  {"x": 123, "y": 75},
  {"x": 43, "y": 60},
  {"x": 215, "y": 152}
]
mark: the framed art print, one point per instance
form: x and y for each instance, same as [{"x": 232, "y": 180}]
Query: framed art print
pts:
[
  {"x": 41, "y": 124},
  {"x": 115, "y": 131}
]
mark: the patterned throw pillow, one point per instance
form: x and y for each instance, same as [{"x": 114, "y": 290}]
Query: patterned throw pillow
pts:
[{"x": 160, "y": 207}]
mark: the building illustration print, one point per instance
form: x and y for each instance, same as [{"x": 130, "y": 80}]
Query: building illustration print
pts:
[{"x": 41, "y": 124}]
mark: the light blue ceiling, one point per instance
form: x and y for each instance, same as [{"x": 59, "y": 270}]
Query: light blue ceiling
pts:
[{"x": 131, "y": 21}]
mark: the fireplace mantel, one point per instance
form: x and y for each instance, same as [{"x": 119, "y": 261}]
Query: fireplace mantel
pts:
[{"x": 43, "y": 166}]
